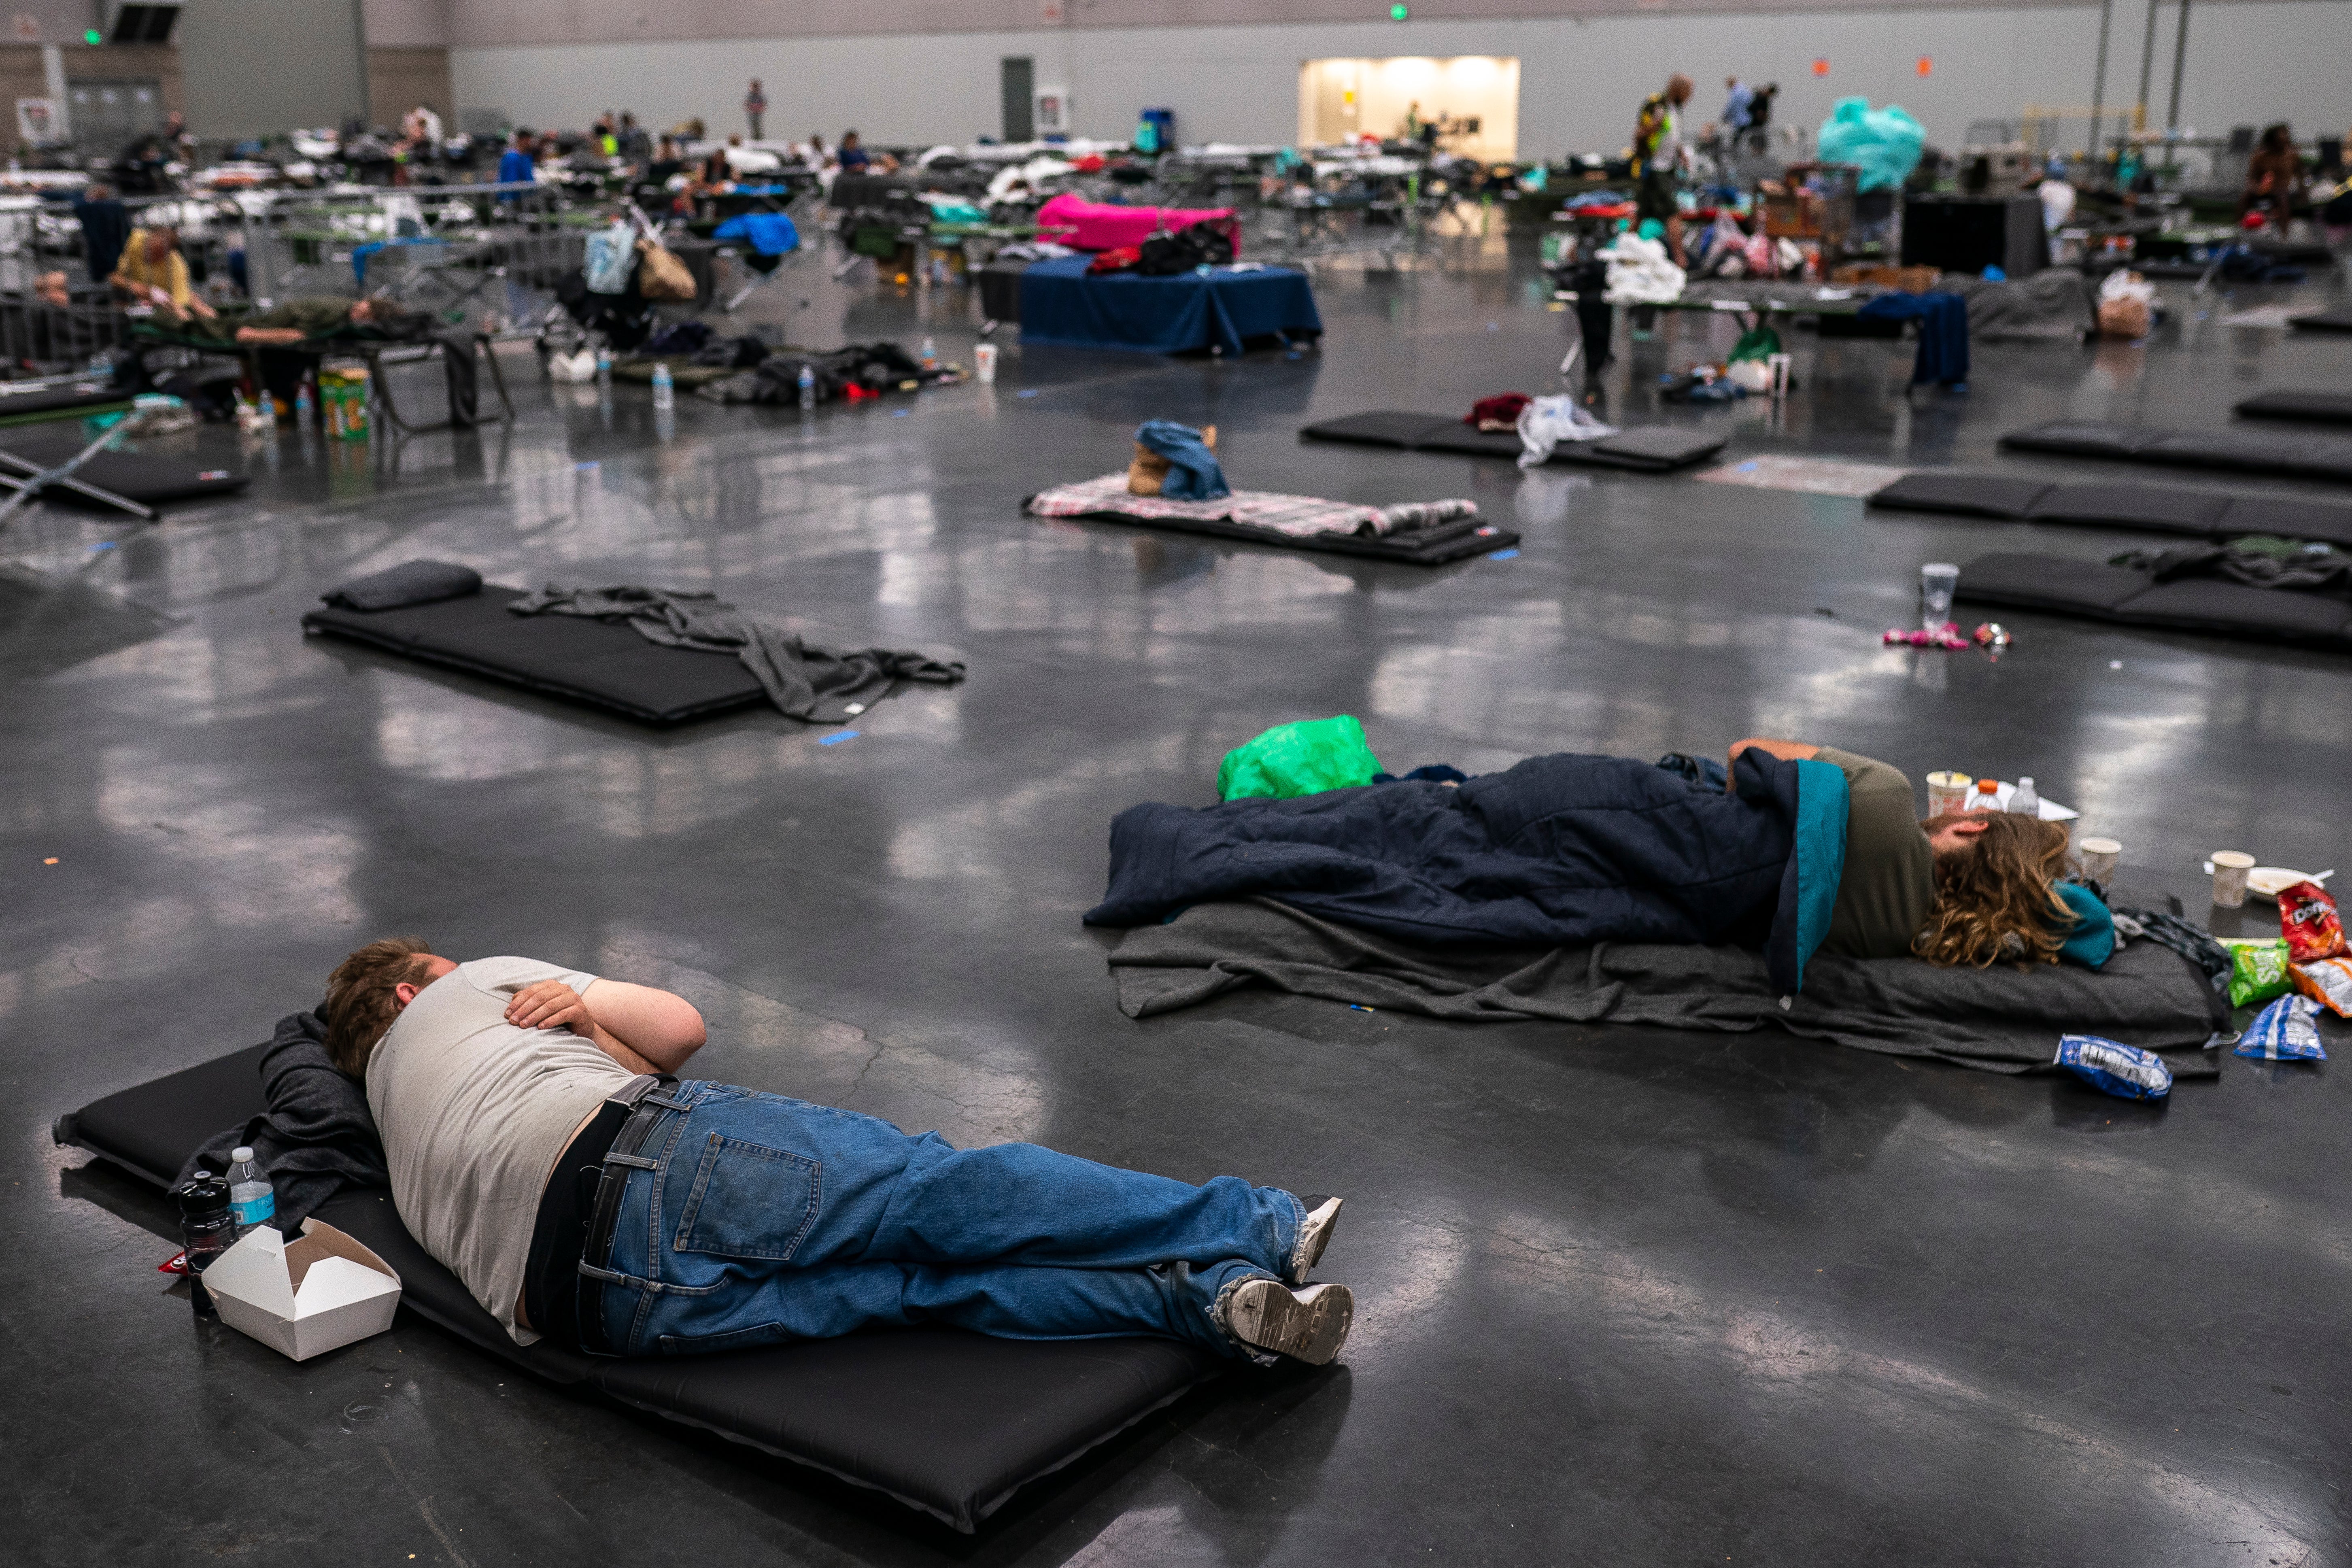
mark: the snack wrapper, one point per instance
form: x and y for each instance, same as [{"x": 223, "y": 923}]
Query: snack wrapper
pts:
[
  {"x": 2258, "y": 972},
  {"x": 2284, "y": 1032},
  {"x": 2114, "y": 1067},
  {"x": 2328, "y": 981},
  {"x": 2308, "y": 922}
]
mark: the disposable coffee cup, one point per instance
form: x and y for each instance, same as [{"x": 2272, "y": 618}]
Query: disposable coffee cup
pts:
[
  {"x": 1778, "y": 364},
  {"x": 2098, "y": 857},
  {"x": 1948, "y": 792},
  {"x": 985, "y": 354},
  {"x": 2229, "y": 868}
]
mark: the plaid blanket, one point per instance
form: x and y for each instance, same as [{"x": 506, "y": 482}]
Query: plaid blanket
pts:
[{"x": 1294, "y": 517}]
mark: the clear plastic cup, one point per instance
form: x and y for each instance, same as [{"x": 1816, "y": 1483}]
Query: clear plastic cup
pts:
[
  {"x": 1948, "y": 792},
  {"x": 2098, "y": 857},
  {"x": 984, "y": 357},
  {"x": 2229, "y": 868},
  {"x": 1937, "y": 581}
]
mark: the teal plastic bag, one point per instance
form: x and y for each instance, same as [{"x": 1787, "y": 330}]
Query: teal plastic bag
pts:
[
  {"x": 1305, "y": 758},
  {"x": 1885, "y": 142}
]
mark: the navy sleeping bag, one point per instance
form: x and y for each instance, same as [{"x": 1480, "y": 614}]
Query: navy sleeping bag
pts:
[{"x": 1561, "y": 850}]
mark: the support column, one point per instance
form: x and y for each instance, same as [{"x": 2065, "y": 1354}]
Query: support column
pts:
[{"x": 53, "y": 81}]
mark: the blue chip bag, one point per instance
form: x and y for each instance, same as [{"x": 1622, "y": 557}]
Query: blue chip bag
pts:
[
  {"x": 2112, "y": 1067},
  {"x": 2285, "y": 1031}
]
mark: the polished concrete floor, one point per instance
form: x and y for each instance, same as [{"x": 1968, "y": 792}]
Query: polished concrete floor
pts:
[{"x": 1625, "y": 1297}]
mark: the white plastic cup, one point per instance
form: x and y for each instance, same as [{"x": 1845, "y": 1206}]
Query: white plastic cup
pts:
[
  {"x": 2229, "y": 868},
  {"x": 984, "y": 356},
  {"x": 1778, "y": 364},
  {"x": 2098, "y": 856},
  {"x": 1947, "y": 793},
  {"x": 1937, "y": 581}
]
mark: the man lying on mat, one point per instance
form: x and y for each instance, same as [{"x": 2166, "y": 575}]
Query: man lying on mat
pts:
[
  {"x": 1965, "y": 889},
  {"x": 539, "y": 1149}
]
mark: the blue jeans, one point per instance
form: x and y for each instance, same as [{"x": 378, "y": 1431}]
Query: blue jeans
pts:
[{"x": 764, "y": 1218}]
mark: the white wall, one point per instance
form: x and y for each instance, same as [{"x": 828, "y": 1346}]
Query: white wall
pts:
[{"x": 1581, "y": 76}]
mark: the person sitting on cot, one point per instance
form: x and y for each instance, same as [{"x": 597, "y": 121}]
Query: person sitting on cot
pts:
[
  {"x": 1967, "y": 888},
  {"x": 539, "y": 1149},
  {"x": 152, "y": 272},
  {"x": 854, "y": 158}
]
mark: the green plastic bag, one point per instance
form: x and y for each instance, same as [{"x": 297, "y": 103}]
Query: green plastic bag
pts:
[
  {"x": 1305, "y": 758},
  {"x": 1761, "y": 343},
  {"x": 2258, "y": 973}
]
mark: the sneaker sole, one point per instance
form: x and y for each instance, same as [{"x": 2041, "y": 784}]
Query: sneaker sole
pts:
[
  {"x": 1308, "y": 1325},
  {"x": 1314, "y": 1236}
]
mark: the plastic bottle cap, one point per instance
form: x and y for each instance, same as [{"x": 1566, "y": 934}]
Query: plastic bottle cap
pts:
[
  {"x": 2025, "y": 781},
  {"x": 238, "y": 1156},
  {"x": 1987, "y": 787}
]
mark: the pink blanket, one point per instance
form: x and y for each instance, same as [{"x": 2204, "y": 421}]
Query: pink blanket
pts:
[{"x": 1099, "y": 225}]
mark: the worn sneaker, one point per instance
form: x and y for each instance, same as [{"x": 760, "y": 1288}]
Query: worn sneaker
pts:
[
  {"x": 1307, "y": 1324},
  {"x": 1314, "y": 1234}
]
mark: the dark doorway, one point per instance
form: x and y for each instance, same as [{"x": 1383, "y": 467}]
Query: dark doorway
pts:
[{"x": 1020, "y": 98}]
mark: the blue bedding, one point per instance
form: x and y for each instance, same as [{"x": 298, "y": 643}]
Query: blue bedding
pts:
[
  {"x": 1062, "y": 304},
  {"x": 1558, "y": 851}
]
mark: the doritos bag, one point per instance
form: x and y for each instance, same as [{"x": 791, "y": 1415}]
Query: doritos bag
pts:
[{"x": 2307, "y": 919}]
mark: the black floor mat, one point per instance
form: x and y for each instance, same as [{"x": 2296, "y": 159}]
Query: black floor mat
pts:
[
  {"x": 145, "y": 476},
  {"x": 1650, "y": 448},
  {"x": 2302, "y": 407},
  {"x": 1440, "y": 545},
  {"x": 2338, "y": 319},
  {"x": 2120, "y": 595},
  {"x": 2276, "y": 453},
  {"x": 946, "y": 1422},
  {"x": 2147, "y": 508},
  {"x": 563, "y": 656}
]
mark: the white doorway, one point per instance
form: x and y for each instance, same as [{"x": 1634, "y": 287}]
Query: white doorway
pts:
[{"x": 1474, "y": 100}]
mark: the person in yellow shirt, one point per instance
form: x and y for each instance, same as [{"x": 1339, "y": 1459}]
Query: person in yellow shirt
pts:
[{"x": 153, "y": 271}]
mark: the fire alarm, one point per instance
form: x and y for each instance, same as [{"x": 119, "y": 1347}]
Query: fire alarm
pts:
[
  {"x": 1821, "y": 68},
  {"x": 1927, "y": 66}
]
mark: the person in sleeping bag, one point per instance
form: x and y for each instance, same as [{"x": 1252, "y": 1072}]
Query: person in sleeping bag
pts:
[
  {"x": 1971, "y": 888},
  {"x": 1807, "y": 849},
  {"x": 541, "y": 1148}
]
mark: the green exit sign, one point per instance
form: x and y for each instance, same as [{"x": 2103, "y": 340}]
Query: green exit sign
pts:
[
  {"x": 1400, "y": 11},
  {"x": 93, "y": 36}
]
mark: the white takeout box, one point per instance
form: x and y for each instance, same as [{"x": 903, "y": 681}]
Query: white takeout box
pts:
[{"x": 304, "y": 1297}]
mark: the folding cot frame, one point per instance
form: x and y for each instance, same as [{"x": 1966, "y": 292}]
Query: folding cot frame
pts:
[{"x": 377, "y": 353}]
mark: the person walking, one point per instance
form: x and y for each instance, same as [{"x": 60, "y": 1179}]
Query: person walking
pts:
[
  {"x": 755, "y": 106},
  {"x": 1659, "y": 154}
]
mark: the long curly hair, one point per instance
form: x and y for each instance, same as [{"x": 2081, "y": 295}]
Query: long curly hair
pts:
[{"x": 1994, "y": 899}]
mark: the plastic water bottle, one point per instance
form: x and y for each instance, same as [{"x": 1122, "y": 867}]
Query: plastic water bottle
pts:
[
  {"x": 206, "y": 1228},
  {"x": 250, "y": 1200},
  {"x": 2022, "y": 801},
  {"x": 304, "y": 411},
  {"x": 605, "y": 366},
  {"x": 808, "y": 388},
  {"x": 930, "y": 354},
  {"x": 665, "y": 393}
]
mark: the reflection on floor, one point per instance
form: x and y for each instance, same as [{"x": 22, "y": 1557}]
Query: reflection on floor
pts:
[{"x": 1624, "y": 1297}]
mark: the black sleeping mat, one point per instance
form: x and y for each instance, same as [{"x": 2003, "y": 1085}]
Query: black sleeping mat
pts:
[
  {"x": 92, "y": 396},
  {"x": 2338, "y": 319},
  {"x": 2126, "y": 598},
  {"x": 142, "y": 477},
  {"x": 1451, "y": 542},
  {"x": 2303, "y": 408},
  {"x": 1650, "y": 448},
  {"x": 563, "y": 656},
  {"x": 946, "y": 1422},
  {"x": 2275, "y": 452},
  {"x": 2153, "y": 509}
]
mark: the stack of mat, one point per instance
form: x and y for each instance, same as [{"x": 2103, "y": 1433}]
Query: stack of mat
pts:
[
  {"x": 1653, "y": 448},
  {"x": 2244, "y": 451},
  {"x": 1422, "y": 533},
  {"x": 2205, "y": 514}
]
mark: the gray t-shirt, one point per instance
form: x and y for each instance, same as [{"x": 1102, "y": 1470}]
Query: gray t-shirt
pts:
[
  {"x": 1888, "y": 885},
  {"x": 474, "y": 1114}
]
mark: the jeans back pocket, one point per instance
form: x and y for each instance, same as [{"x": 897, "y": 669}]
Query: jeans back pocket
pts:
[{"x": 749, "y": 1201}]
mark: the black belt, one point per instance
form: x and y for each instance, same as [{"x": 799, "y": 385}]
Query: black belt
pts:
[{"x": 573, "y": 1238}]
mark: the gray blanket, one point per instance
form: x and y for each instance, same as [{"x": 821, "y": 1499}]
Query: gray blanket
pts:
[
  {"x": 1999, "y": 1019},
  {"x": 2052, "y": 305},
  {"x": 818, "y": 684}
]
